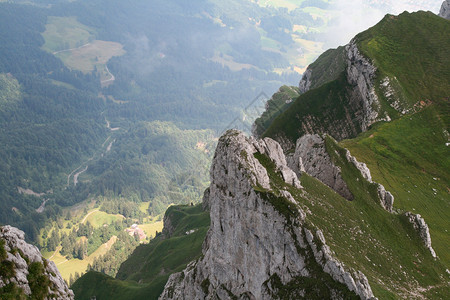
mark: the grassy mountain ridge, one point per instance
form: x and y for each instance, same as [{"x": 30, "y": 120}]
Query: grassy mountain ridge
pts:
[
  {"x": 410, "y": 54},
  {"x": 363, "y": 235},
  {"x": 408, "y": 155}
]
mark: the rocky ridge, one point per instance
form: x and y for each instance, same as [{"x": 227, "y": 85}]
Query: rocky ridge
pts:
[
  {"x": 386, "y": 198},
  {"x": 23, "y": 259},
  {"x": 254, "y": 247},
  {"x": 310, "y": 156},
  {"x": 422, "y": 228}
]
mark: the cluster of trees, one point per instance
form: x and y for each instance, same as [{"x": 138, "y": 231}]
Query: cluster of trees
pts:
[
  {"x": 125, "y": 208},
  {"x": 84, "y": 239},
  {"x": 110, "y": 262}
]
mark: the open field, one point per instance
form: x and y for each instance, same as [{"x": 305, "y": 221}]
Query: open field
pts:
[
  {"x": 99, "y": 218},
  {"x": 64, "y": 33},
  {"x": 92, "y": 57},
  {"x": 150, "y": 229},
  {"x": 75, "y": 44}
]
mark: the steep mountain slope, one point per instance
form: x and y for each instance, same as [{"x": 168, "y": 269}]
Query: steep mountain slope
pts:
[
  {"x": 273, "y": 237},
  {"x": 387, "y": 71},
  {"x": 408, "y": 82}
]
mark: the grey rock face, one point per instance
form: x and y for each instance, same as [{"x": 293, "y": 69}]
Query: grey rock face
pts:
[
  {"x": 419, "y": 224},
  {"x": 386, "y": 198},
  {"x": 305, "y": 82},
  {"x": 357, "y": 282},
  {"x": 311, "y": 157},
  {"x": 249, "y": 240},
  {"x": 15, "y": 239},
  {"x": 205, "y": 201},
  {"x": 361, "y": 74},
  {"x": 445, "y": 10}
]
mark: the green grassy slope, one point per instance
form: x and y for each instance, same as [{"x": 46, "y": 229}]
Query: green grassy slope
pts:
[
  {"x": 145, "y": 273},
  {"x": 410, "y": 158},
  {"x": 324, "y": 108},
  {"x": 410, "y": 51},
  {"x": 277, "y": 104},
  {"x": 327, "y": 67},
  {"x": 364, "y": 236},
  {"x": 413, "y": 49}
]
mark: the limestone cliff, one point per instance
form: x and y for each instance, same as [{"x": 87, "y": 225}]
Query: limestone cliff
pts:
[
  {"x": 339, "y": 99},
  {"x": 258, "y": 242},
  {"x": 310, "y": 156},
  {"x": 445, "y": 10},
  {"x": 25, "y": 272}
]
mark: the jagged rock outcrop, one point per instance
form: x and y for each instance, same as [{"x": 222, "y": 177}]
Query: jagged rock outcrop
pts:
[
  {"x": 386, "y": 198},
  {"x": 361, "y": 74},
  {"x": 168, "y": 228},
  {"x": 25, "y": 260},
  {"x": 445, "y": 10},
  {"x": 357, "y": 282},
  {"x": 253, "y": 247},
  {"x": 305, "y": 82},
  {"x": 419, "y": 224},
  {"x": 310, "y": 156}
]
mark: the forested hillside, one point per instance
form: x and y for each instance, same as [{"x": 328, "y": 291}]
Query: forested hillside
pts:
[
  {"x": 50, "y": 119},
  {"x": 82, "y": 84}
]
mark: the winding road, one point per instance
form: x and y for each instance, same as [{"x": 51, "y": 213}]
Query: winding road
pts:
[
  {"x": 77, "y": 172},
  {"x": 110, "y": 74}
]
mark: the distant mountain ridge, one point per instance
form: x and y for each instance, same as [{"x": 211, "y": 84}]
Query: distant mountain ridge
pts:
[{"x": 373, "y": 79}]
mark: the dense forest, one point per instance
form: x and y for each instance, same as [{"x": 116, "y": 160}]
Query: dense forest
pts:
[
  {"x": 188, "y": 70},
  {"x": 49, "y": 116}
]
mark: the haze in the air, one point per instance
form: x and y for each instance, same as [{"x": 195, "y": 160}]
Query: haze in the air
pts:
[{"x": 354, "y": 16}]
